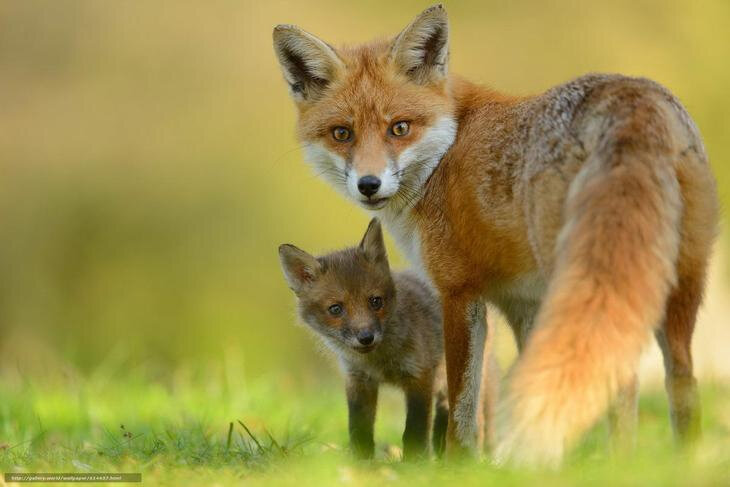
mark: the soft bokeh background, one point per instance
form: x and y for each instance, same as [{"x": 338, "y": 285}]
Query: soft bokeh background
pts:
[{"x": 148, "y": 166}]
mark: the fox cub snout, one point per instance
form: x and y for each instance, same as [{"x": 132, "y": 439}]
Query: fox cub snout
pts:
[{"x": 383, "y": 327}]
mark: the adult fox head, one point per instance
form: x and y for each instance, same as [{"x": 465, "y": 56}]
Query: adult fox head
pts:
[
  {"x": 347, "y": 297},
  {"x": 375, "y": 119}
]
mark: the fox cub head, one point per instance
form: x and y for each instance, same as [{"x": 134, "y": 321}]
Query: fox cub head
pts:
[
  {"x": 375, "y": 119},
  {"x": 348, "y": 296}
]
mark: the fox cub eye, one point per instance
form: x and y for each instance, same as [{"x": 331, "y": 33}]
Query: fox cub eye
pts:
[
  {"x": 335, "y": 310},
  {"x": 341, "y": 134},
  {"x": 399, "y": 129},
  {"x": 376, "y": 302}
]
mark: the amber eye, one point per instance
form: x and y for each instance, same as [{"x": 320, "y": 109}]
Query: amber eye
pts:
[
  {"x": 399, "y": 129},
  {"x": 335, "y": 310},
  {"x": 341, "y": 134},
  {"x": 376, "y": 302}
]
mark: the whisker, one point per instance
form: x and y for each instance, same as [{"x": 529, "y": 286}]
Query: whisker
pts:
[{"x": 286, "y": 153}]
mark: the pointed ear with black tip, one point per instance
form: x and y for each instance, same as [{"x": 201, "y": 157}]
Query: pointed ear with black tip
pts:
[
  {"x": 308, "y": 63},
  {"x": 300, "y": 268},
  {"x": 421, "y": 51},
  {"x": 372, "y": 244}
]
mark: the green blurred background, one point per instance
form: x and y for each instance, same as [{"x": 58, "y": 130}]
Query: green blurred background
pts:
[{"x": 149, "y": 170}]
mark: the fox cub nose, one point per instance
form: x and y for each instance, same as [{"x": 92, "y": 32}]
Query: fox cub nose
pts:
[
  {"x": 368, "y": 185},
  {"x": 365, "y": 337}
]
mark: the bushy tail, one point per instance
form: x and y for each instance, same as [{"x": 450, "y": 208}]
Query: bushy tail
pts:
[{"x": 615, "y": 265}]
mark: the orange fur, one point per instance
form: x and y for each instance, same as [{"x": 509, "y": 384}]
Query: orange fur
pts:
[{"x": 586, "y": 213}]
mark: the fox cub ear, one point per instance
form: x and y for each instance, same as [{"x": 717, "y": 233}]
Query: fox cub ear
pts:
[
  {"x": 372, "y": 244},
  {"x": 421, "y": 51},
  {"x": 299, "y": 267},
  {"x": 308, "y": 63}
]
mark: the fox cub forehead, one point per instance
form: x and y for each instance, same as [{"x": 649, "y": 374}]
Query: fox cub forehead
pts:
[
  {"x": 351, "y": 271},
  {"x": 362, "y": 267},
  {"x": 351, "y": 267},
  {"x": 347, "y": 276}
]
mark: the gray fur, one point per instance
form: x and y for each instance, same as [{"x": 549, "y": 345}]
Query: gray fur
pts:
[{"x": 412, "y": 338}]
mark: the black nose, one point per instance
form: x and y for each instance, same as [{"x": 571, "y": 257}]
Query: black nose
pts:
[
  {"x": 365, "y": 337},
  {"x": 368, "y": 185}
]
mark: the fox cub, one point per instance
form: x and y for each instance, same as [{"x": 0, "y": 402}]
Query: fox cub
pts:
[{"x": 384, "y": 328}]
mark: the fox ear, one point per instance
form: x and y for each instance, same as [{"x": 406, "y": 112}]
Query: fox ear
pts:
[
  {"x": 308, "y": 63},
  {"x": 372, "y": 244},
  {"x": 421, "y": 51},
  {"x": 299, "y": 267}
]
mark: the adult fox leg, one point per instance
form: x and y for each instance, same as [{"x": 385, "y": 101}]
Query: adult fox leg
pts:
[
  {"x": 490, "y": 395},
  {"x": 464, "y": 335},
  {"x": 623, "y": 416},
  {"x": 520, "y": 315},
  {"x": 675, "y": 339},
  {"x": 615, "y": 265},
  {"x": 699, "y": 228}
]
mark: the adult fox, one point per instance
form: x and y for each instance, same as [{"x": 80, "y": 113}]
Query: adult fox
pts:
[{"x": 585, "y": 214}]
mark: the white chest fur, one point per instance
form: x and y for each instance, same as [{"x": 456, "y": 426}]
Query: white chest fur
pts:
[{"x": 406, "y": 235}]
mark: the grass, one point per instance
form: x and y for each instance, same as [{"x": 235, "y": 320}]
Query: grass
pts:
[{"x": 208, "y": 428}]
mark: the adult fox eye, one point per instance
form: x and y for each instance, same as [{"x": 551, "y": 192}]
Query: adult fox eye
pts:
[
  {"x": 376, "y": 302},
  {"x": 335, "y": 310},
  {"x": 341, "y": 134},
  {"x": 399, "y": 129}
]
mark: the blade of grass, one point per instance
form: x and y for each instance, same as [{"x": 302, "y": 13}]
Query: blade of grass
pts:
[
  {"x": 275, "y": 443},
  {"x": 261, "y": 448},
  {"x": 131, "y": 438},
  {"x": 301, "y": 442},
  {"x": 230, "y": 433}
]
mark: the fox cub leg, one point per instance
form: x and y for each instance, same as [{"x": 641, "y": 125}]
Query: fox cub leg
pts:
[
  {"x": 675, "y": 340},
  {"x": 440, "y": 423},
  {"x": 464, "y": 336},
  {"x": 419, "y": 405},
  {"x": 362, "y": 400}
]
